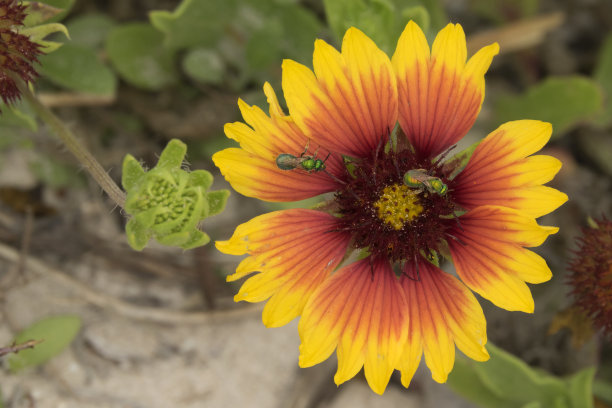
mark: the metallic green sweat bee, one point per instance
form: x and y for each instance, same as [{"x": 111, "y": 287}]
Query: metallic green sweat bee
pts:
[
  {"x": 419, "y": 178},
  {"x": 286, "y": 161}
]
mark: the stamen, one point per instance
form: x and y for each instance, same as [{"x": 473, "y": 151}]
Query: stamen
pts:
[{"x": 397, "y": 205}]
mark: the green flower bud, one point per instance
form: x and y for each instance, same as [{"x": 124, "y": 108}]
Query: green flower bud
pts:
[{"x": 167, "y": 202}]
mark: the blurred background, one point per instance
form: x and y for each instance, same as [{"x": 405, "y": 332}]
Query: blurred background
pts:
[{"x": 159, "y": 328}]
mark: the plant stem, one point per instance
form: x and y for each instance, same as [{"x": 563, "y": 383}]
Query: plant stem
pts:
[{"x": 87, "y": 160}]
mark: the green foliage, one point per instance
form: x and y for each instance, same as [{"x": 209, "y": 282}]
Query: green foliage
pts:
[
  {"x": 501, "y": 10},
  {"x": 194, "y": 23},
  {"x": 167, "y": 203},
  {"x": 56, "y": 174},
  {"x": 461, "y": 159},
  {"x": 603, "y": 390},
  {"x": 57, "y": 333},
  {"x": 78, "y": 68},
  {"x": 506, "y": 381},
  {"x": 603, "y": 75},
  {"x": 273, "y": 31},
  {"x": 383, "y": 20},
  {"x": 562, "y": 101},
  {"x": 204, "y": 65},
  {"x": 64, "y": 5},
  {"x": 37, "y": 34},
  {"x": 38, "y": 13},
  {"x": 18, "y": 114},
  {"x": 137, "y": 53},
  {"x": 90, "y": 30}
]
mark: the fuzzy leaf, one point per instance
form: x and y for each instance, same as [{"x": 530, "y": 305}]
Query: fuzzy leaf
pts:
[
  {"x": 173, "y": 154},
  {"x": 137, "y": 235},
  {"x": 137, "y": 53},
  {"x": 131, "y": 172},
  {"x": 78, "y": 68},
  {"x": 57, "y": 333},
  {"x": 201, "y": 178},
  {"x": 216, "y": 201},
  {"x": 562, "y": 101}
]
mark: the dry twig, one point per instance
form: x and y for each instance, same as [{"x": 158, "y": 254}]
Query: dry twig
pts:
[
  {"x": 124, "y": 308},
  {"x": 517, "y": 36},
  {"x": 16, "y": 348}
]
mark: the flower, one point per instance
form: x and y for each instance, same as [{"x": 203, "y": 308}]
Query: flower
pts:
[
  {"x": 17, "y": 51},
  {"x": 396, "y": 199},
  {"x": 591, "y": 274}
]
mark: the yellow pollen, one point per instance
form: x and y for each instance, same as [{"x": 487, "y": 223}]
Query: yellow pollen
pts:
[{"x": 398, "y": 204}]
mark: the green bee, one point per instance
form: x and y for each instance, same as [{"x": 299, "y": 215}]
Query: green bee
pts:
[
  {"x": 419, "y": 178},
  {"x": 286, "y": 161}
]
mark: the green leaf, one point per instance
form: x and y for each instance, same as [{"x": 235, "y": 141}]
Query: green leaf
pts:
[
  {"x": 37, "y": 34},
  {"x": 194, "y": 22},
  {"x": 505, "y": 381},
  {"x": 216, "y": 201},
  {"x": 376, "y": 18},
  {"x": 18, "y": 114},
  {"x": 79, "y": 69},
  {"x": 173, "y": 154},
  {"x": 64, "y": 5},
  {"x": 38, "y": 13},
  {"x": 464, "y": 381},
  {"x": 580, "y": 387},
  {"x": 461, "y": 159},
  {"x": 509, "y": 377},
  {"x": 603, "y": 75},
  {"x": 263, "y": 48},
  {"x": 603, "y": 390},
  {"x": 419, "y": 15},
  {"x": 204, "y": 65},
  {"x": 137, "y": 234},
  {"x": 131, "y": 172},
  {"x": 57, "y": 333},
  {"x": 562, "y": 101},
  {"x": 90, "y": 30},
  {"x": 300, "y": 29},
  {"x": 201, "y": 178},
  {"x": 137, "y": 53}
]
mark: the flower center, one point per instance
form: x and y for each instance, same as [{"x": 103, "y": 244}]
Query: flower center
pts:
[
  {"x": 388, "y": 217},
  {"x": 397, "y": 205}
]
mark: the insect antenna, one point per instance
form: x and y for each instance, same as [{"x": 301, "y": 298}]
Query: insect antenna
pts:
[
  {"x": 443, "y": 155},
  {"x": 459, "y": 240},
  {"x": 306, "y": 149},
  {"x": 416, "y": 266}
]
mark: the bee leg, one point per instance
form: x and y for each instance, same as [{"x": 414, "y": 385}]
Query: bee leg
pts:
[
  {"x": 306, "y": 149},
  {"x": 371, "y": 270},
  {"x": 456, "y": 239}
]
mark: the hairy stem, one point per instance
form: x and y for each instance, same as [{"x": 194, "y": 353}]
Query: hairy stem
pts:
[{"x": 87, "y": 160}]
